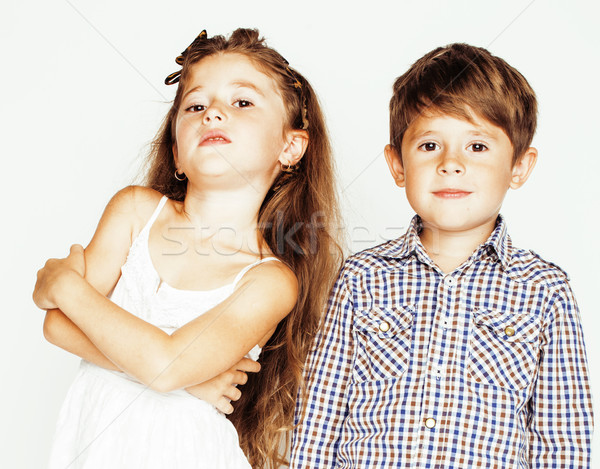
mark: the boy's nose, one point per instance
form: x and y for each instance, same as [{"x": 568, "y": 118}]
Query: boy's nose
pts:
[{"x": 450, "y": 164}]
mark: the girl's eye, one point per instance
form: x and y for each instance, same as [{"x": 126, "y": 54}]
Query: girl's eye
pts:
[
  {"x": 478, "y": 147},
  {"x": 429, "y": 146},
  {"x": 242, "y": 103},
  {"x": 196, "y": 108}
]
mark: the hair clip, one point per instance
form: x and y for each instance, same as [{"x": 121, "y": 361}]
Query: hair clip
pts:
[
  {"x": 175, "y": 76},
  {"x": 297, "y": 83},
  {"x": 304, "y": 115}
]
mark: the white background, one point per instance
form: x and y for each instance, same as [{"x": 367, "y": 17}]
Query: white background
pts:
[{"x": 83, "y": 96}]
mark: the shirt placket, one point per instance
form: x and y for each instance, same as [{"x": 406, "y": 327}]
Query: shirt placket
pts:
[{"x": 435, "y": 383}]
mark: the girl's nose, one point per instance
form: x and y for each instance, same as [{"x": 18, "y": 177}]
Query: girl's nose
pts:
[
  {"x": 213, "y": 113},
  {"x": 451, "y": 164}
]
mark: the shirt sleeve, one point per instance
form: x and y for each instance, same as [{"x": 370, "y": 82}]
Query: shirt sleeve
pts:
[
  {"x": 321, "y": 409},
  {"x": 561, "y": 405}
]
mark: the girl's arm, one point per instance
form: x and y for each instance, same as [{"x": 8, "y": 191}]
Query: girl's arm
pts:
[
  {"x": 62, "y": 332},
  {"x": 100, "y": 273},
  {"x": 199, "y": 351},
  {"x": 222, "y": 389},
  {"x": 218, "y": 391},
  {"x": 102, "y": 269}
]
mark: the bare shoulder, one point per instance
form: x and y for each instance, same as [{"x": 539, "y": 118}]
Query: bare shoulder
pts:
[
  {"x": 120, "y": 223},
  {"x": 273, "y": 281},
  {"x": 135, "y": 198},
  {"x": 136, "y": 203}
]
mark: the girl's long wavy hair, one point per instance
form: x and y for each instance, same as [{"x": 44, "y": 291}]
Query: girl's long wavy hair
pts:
[{"x": 299, "y": 221}]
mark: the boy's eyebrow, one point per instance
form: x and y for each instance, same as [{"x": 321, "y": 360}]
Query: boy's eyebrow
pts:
[
  {"x": 475, "y": 133},
  {"x": 482, "y": 133},
  {"x": 419, "y": 133},
  {"x": 237, "y": 84}
]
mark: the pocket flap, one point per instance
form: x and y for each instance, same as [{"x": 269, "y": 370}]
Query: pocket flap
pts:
[
  {"x": 384, "y": 322},
  {"x": 508, "y": 325}
]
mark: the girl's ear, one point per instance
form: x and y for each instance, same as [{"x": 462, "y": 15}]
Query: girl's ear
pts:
[
  {"x": 394, "y": 162},
  {"x": 297, "y": 141},
  {"x": 522, "y": 168},
  {"x": 175, "y": 156}
]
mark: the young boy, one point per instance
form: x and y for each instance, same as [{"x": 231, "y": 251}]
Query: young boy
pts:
[{"x": 449, "y": 347}]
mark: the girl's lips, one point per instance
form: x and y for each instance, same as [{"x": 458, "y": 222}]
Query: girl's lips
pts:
[
  {"x": 451, "y": 194},
  {"x": 214, "y": 137}
]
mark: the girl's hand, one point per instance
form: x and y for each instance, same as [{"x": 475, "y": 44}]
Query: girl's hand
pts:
[
  {"x": 222, "y": 389},
  {"x": 50, "y": 276}
]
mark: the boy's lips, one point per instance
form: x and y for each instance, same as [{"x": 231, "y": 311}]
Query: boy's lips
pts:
[
  {"x": 214, "y": 137},
  {"x": 451, "y": 193}
]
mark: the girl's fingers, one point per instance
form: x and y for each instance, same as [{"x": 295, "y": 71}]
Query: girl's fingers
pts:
[
  {"x": 239, "y": 377},
  {"x": 248, "y": 365},
  {"x": 76, "y": 249},
  {"x": 233, "y": 393},
  {"x": 224, "y": 406},
  {"x": 76, "y": 259}
]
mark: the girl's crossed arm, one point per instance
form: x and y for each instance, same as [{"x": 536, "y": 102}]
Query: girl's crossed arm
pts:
[
  {"x": 218, "y": 391},
  {"x": 102, "y": 272},
  {"x": 197, "y": 352}
]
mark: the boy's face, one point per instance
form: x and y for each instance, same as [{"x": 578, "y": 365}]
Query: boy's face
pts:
[{"x": 456, "y": 173}]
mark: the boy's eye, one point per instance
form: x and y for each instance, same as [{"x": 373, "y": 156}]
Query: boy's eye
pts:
[
  {"x": 196, "y": 108},
  {"x": 242, "y": 103},
  {"x": 478, "y": 147},
  {"x": 429, "y": 146}
]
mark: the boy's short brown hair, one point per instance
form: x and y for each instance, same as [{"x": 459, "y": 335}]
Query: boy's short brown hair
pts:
[{"x": 460, "y": 79}]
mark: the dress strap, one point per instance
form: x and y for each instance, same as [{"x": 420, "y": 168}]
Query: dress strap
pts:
[
  {"x": 248, "y": 267},
  {"x": 155, "y": 214}
]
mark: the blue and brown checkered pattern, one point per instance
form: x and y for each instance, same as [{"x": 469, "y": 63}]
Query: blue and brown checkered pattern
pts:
[{"x": 482, "y": 367}]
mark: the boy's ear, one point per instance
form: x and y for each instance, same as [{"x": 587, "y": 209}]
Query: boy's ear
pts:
[
  {"x": 394, "y": 162},
  {"x": 522, "y": 168},
  {"x": 297, "y": 141}
]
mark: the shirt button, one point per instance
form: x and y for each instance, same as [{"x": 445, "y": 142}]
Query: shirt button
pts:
[
  {"x": 448, "y": 280},
  {"x": 509, "y": 331},
  {"x": 384, "y": 326},
  {"x": 430, "y": 423}
]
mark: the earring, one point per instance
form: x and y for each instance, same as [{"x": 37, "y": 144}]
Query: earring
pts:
[
  {"x": 288, "y": 168},
  {"x": 180, "y": 178}
]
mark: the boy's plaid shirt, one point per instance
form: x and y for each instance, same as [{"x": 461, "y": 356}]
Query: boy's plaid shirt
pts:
[{"x": 484, "y": 367}]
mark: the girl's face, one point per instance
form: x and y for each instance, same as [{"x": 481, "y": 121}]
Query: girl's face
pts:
[{"x": 231, "y": 125}]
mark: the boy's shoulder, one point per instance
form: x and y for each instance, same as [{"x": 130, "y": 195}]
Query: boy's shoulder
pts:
[
  {"x": 528, "y": 266},
  {"x": 386, "y": 255},
  {"x": 524, "y": 265}
]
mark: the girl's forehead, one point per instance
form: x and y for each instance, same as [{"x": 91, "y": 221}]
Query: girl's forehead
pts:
[{"x": 229, "y": 68}]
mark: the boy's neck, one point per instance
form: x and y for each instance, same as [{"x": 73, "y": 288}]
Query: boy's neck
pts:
[{"x": 450, "y": 249}]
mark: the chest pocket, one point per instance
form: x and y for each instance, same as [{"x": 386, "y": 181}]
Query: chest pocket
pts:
[
  {"x": 503, "y": 349},
  {"x": 383, "y": 343}
]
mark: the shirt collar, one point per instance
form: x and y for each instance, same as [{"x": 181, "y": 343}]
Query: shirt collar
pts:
[
  {"x": 408, "y": 244},
  {"x": 498, "y": 242}
]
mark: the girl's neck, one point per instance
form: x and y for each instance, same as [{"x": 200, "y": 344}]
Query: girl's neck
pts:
[{"x": 226, "y": 215}]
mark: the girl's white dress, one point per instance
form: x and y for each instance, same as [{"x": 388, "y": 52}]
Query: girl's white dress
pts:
[{"x": 111, "y": 421}]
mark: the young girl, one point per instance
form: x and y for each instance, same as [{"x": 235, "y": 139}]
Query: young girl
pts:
[{"x": 227, "y": 252}]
